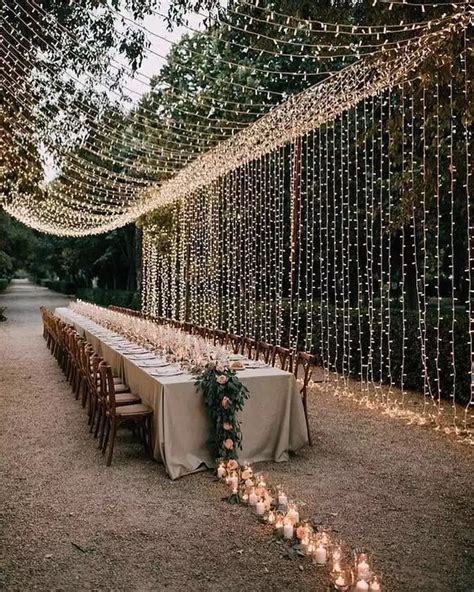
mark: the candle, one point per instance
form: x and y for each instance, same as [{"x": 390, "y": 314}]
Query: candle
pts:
[
  {"x": 375, "y": 586},
  {"x": 305, "y": 545},
  {"x": 221, "y": 471},
  {"x": 271, "y": 518},
  {"x": 248, "y": 482},
  {"x": 293, "y": 515},
  {"x": 282, "y": 499},
  {"x": 362, "y": 586},
  {"x": 245, "y": 498},
  {"x": 363, "y": 570},
  {"x": 279, "y": 526},
  {"x": 235, "y": 491},
  {"x": 340, "y": 584},
  {"x": 324, "y": 538},
  {"x": 253, "y": 499},
  {"x": 234, "y": 481},
  {"x": 337, "y": 554},
  {"x": 260, "y": 508},
  {"x": 288, "y": 530},
  {"x": 320, "y": 555}
]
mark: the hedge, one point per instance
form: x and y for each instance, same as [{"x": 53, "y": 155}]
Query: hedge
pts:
[
  {"x": 3, "y": 284},
  {"x": 104, "y": 297},
  {"x": 101, "y": 296},
  {"x": 412, "y": 360}
]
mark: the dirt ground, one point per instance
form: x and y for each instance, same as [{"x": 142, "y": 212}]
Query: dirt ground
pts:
[{"x": 69, "y": 523}]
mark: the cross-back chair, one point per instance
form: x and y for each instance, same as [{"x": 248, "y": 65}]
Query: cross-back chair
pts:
[{"x": 115, "y": 414}]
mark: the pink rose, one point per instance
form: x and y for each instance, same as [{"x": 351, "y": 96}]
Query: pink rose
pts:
[
  {"x": 222, "y": 379},
  {"x": 227, "y": 426},
  {"x": 232, "y": 465},
  {"x": 225, "y": 402},
  {"x": 228, "y": 444}
]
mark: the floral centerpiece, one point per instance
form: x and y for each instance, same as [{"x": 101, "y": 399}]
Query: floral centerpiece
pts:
[{"x": 224, "y": 396}]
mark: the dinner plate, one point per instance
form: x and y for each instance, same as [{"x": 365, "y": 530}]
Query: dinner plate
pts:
[
  {"x": 142, "y": 356},
  {"x": 151, "y": 364},
  {"x": 169, "y": 372}
]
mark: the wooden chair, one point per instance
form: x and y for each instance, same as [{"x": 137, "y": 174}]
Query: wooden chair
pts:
[
  {"x": 264, "y": 352},
  {"x": 234, "y": 342},
  {"x": 219, "y": 337},
  {"x": 304, "y": 364},
  {"x": 282, "y": 358},
  {"x": 114, "y": 415},
  {"x": 248, "y": 347}
]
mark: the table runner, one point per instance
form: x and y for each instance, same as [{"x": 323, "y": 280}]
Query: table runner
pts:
[{"x": 273, "y": 421}]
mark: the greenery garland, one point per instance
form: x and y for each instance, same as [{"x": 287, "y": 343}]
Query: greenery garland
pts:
[{"x": 224, "y": 396}]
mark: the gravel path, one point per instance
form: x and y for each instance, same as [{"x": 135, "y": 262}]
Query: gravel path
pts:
[{"x": 69, "y": 523}]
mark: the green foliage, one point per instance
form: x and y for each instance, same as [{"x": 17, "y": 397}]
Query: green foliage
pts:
[
  {"x": 224, "y": 396},
  {"x": 2, "y": 314},
  {"x": 3, "y": 284},
  {"x": 412, "y": 360},
  {"x": 103, "y": 297}
]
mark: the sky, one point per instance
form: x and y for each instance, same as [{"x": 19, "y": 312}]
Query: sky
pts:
[{"x": 152, "y": 63}]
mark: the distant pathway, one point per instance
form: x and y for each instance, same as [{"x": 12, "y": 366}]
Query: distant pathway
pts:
[{"x": 68, "y": 523}]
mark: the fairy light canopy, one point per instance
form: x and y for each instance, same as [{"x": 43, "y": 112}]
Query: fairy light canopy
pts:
[{"x": 127, "y": 164}]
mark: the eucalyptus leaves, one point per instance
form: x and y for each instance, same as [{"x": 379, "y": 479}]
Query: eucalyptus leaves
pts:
[{"x": 224, "y": 396}]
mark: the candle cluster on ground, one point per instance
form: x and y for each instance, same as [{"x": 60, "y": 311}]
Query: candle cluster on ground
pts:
[{"x": 348, "y": 572}]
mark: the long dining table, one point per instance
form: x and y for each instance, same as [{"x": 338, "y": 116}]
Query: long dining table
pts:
[{"x": 272, "y": 420}]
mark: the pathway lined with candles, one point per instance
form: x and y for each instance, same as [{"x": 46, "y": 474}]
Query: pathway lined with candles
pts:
[{"x": 70, "y": 523}]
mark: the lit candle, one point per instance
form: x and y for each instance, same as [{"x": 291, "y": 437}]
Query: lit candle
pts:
[
  {"x": 375, "y": 586},
  {"x": 324, "y": 538},
  {"x": 363, "y": 569},
  {"x": 234, "y": 481},
  {"x": 245, "y": 498},
  {"x": 293, "y": 515},
  {"x": 253, "y": 498},
  {"x": 305, "y": 545},
  {"x": 235, "y": 491},
  {"x": 337, "y": 554},
  {"x": 282, "y": 499},
  {"x": 320, "y": 555},
  {"x": 271, "y": 518},
  {"x": 260, "y": 507},
  {"x": 279, "y": 525},
  {"x": 221, "y": 471},
  {"x": 362, "y": 586},
  {"x": 288, "y": 530},
  {"x": 340, "y": 584}
]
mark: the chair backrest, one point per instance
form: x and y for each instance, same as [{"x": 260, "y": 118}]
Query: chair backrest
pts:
[
  {"x": 282, "y": 357},
  {"x": 219, "y": 337},
  {"x": 95, "y": 375},
  {"x": 249, "y": 347},
  {"x": 264, "y": 352},
  {"x": 106, "y": 387},
  {"x": 304, "y": 362},
  {"x": 234, "y": 342}
]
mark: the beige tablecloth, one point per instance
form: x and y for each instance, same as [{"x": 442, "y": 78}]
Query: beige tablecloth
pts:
[{"x": 273, "y": 421}]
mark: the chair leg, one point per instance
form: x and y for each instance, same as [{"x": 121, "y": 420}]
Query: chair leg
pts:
[
  {"x": 101, "y": 425},
  {"x": 112, "y": 441},
  {"x": 147, "y": 429},
  {"x": 305, "y": 407},
  {"x": 106, "y": 435}
]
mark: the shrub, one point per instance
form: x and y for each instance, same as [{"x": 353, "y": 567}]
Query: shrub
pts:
[
  {"x": 2, "y": 313},
  {"x": 3, "y": 284},
  {"x": 104, "y": 297}
]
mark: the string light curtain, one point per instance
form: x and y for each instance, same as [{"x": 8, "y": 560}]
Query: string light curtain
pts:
[
  {"x": 92, "y": 196},
  {"x": 353, "y": 240}
]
